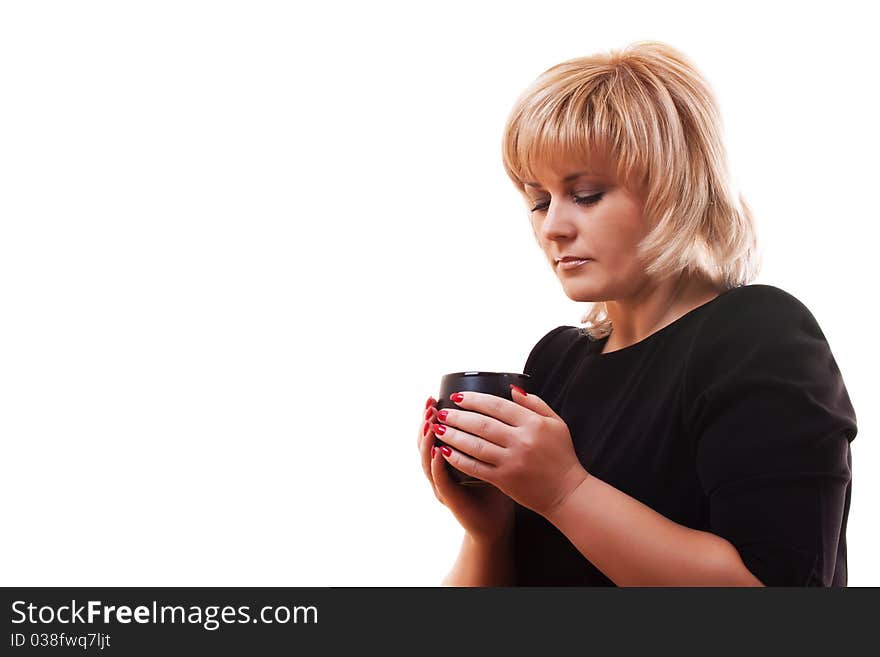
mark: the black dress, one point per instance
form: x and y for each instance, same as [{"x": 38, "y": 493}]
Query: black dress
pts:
[{"x": 734, "y": 420}]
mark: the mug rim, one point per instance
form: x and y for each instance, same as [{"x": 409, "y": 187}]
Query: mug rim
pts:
[{"x": 487, "y": 373}]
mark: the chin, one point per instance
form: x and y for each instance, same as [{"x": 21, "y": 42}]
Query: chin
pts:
[{"x": 583, "y": 293}]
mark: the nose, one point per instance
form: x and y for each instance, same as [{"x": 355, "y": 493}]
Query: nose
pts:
[{"x": 558, "y": 221}]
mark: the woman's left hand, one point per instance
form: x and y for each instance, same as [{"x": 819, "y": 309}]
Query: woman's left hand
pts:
[{"x": 522, "y": 447}]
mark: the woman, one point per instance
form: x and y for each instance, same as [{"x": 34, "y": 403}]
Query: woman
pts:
[{"x": 696, "y": 431}]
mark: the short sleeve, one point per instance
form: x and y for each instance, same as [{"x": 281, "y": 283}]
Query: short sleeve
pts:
[
  {"x": 772, "y": 422},
  {"x": 539, "y": 359}
]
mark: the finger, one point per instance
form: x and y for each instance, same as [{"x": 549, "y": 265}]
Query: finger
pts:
[
  {"x": 427, "y": 448},
  {"x": 514, "y": 413},
  {"x": 532, "y": 402},
  {"x": 469, "y": 465},
  {"x": 448, "y": 490},
  {"x": 430, "y": 413},
  {"x": 426, "y": 441},
  {"x": 479, "y": 448},
  {"x": 431, "y": 403},
  {"x": 500, "y": 408},
  {"x": 476, "y": 424}
]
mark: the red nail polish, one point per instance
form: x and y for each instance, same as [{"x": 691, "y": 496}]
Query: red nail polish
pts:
[
  {"x": 433, "y": 452},
  {"x": 446, "y": 450},
  {"x": 456, "y": 397},
  {"x": 519, "y": 390},
  {"x": 430, "y": 402},
  {"x": 439, "y": 429},
  {"x": 442, "y": 415},
  {"x": 429, "y": 412},
  {"x": 425, "y": 429}
]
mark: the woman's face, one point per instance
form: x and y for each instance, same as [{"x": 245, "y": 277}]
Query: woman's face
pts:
[{"x": 575, "y": 212}]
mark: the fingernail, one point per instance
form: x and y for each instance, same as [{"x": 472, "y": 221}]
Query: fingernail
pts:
[
  {"x": 519, "y": 390},
  {"x": 429, "y": 412},
  {"x": 442, "y": 415},
  {"x": 433, "y": 452},
  {"x": 430, "y": 402},
  {"x": 456, "y": 397},
  {"x": 446, "y": 450},
  {"x": 439, "y": 429},
  {"x": 425, "y": 429}
]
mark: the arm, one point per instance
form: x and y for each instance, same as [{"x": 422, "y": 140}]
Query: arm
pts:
[
  {"x": 482, "y": 563},
  {"x": 633, "y": 545}
]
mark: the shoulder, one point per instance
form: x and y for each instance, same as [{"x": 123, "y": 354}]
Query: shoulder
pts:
[
  {"x": 556, "y": 336},
  {"x": 753, "y": 315},
  {"x": 763, "y": 343},
  {"x": 549, "y": 346},
  {"x": 758, "y": 300},
  {"x": 751, "y": 333}
]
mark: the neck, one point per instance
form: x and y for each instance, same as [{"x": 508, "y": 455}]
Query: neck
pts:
[{"x": 654, "y": 306}]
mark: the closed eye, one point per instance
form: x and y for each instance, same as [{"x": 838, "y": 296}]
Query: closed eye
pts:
[{"x": 580, "y": 200}]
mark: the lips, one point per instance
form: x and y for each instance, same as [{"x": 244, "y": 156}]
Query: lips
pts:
[
  {"x": 570, "y": 265},
  {"x": 571, "y": 258}
]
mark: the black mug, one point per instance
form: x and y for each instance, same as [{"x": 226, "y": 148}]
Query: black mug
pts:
[{"x": 492, "y": 383}]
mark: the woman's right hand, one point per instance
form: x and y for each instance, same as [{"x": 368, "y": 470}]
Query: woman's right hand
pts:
[{"x": 484, "y": 512}]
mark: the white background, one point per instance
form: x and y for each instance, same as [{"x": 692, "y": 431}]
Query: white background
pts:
[{"x": 241, "y": 241}]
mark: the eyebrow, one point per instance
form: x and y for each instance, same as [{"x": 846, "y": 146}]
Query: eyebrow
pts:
[{"x": 566, "y": 179}]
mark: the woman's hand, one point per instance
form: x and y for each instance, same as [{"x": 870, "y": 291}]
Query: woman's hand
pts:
[
  {"x": 484, "y": 512},
  {"x": 522, "y": 447}
]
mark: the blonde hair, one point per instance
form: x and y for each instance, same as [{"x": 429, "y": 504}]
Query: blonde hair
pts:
[{"x": 648, "y": 112}]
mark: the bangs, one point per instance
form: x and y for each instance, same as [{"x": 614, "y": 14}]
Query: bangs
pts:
[{"x": 568, "y": 124}]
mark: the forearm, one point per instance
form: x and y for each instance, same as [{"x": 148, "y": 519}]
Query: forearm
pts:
[
  {"x": 483, "y": 564},
  {"x": 633, "y": 545}
]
